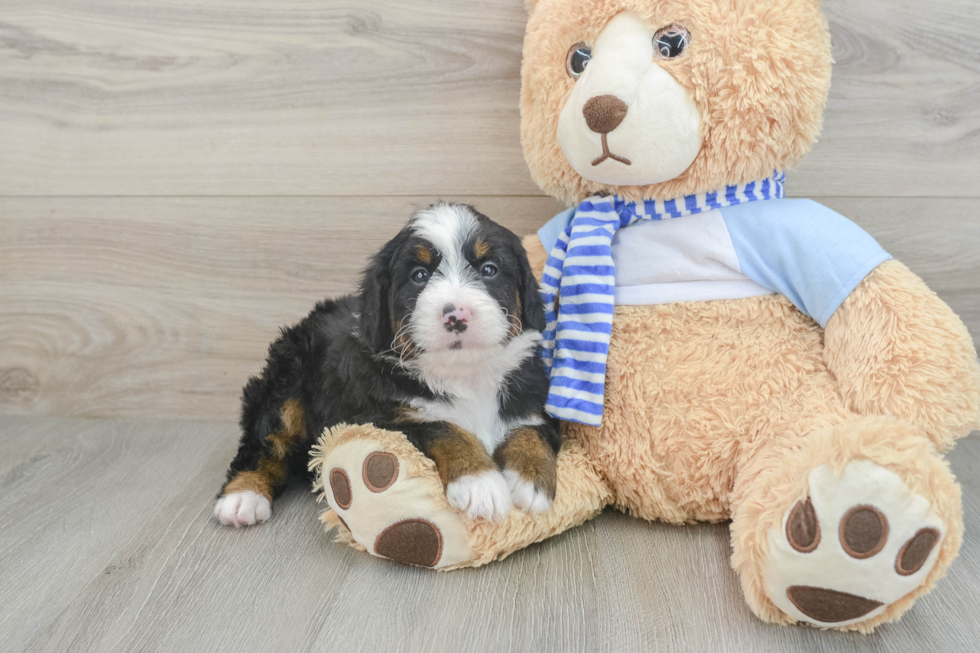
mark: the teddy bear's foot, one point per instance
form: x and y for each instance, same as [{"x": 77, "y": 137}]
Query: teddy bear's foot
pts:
[
  {"x": 387, "y": 499},
  {"x": 844, "y": 527},
  {"x": 859, "y": 542},
  {"x": 390, "y": 505}
]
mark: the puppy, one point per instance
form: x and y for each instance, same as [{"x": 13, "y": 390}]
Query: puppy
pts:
[{"x": 442, "y": 343}]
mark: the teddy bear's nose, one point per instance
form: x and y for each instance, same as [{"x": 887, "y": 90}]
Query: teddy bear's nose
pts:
[{"x": 603, "y": 113}]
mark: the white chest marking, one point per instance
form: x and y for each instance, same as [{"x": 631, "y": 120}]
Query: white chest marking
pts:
[
  {"x": 473, "y": 396},
  {"x": 473, "y": 409}
]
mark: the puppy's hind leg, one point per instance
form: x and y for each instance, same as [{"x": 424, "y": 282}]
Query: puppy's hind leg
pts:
[{"x": 274, "y": 438}]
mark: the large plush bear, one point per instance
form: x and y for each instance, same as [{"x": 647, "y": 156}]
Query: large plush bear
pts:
[{"x": 720, "y": 352}]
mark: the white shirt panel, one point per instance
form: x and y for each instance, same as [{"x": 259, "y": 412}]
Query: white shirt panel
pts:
[{"x": 685, "y": 259}]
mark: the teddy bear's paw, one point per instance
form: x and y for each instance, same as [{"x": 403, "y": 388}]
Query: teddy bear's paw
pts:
[
  {"x": 859, "y": 542},
  {"x": 391, "y": 511},
  {"x": 526, "y": 496},
  {"x": 242, "y": 509},
  {"x": 481, "y": 496}
]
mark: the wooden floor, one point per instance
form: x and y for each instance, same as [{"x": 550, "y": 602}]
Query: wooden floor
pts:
[{"x": 108, "y": 544}]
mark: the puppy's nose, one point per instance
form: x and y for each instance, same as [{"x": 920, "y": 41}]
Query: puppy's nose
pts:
[
  {"x": 455, "y": 319},
  {"x": 603, "y": 113}
]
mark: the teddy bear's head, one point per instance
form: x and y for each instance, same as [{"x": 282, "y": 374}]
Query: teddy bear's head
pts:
[{"x": 665, "y": 98}]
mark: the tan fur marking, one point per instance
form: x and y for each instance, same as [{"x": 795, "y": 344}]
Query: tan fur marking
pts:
[
  {"x": 273, "y": 470},
  {"x": 481, "y": 248},
  {"x": 406, "y": 414},
  {"x": 423, "y": 254},
  {"x": 403, "y": 345},
  {"x": 515, "y": 318},
  {"x": 531, "y": 457},
  {"x": 249, "y": 482},
  {"x": 396, "y": 326},
  {"x": 459, "y": 453},
  {"x": 293, "y": 428}
]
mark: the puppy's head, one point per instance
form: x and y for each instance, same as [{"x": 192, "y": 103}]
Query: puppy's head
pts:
[{"x": 452, "y": 283}]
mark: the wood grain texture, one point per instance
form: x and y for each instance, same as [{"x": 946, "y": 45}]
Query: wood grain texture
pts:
[
  {"x": 112, "y": 547},
  {"x": 307, "y": 97},
  {"x": 162, "y": 307},
  {"x": 75, "y": 493},
  {"x": 225, "y": 164}
]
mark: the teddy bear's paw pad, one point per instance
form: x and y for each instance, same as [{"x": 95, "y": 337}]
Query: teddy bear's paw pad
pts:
[
  {"x": 860, "y": 541},
  {"x": 412, "y": 542},
  {"x": 390, "y": 511}
]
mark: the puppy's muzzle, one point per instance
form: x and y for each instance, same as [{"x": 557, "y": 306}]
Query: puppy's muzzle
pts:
[{"x": 455, "y": 319}]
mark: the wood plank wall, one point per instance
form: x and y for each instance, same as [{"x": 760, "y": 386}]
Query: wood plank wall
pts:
[{"x": 179, "y": 178}]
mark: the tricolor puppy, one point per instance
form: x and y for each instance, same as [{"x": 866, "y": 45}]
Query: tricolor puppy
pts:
[{"x": 440, "y": 343}]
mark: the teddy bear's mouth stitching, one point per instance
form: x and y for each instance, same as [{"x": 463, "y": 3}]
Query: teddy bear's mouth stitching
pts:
[{"x": 606, "y": 154}]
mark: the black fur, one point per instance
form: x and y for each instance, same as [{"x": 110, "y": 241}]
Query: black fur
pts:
[{"x": 338, "y": 363}]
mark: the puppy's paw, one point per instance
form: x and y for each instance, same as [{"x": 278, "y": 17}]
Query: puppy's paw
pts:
[
  {"x": 242, "y": 509},
  {"x": 526, "y": 496},
  {"x": 481, "y": 496}
]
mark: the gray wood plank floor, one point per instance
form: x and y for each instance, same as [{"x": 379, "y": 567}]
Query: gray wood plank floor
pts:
[{"x": 108, "y": 545}]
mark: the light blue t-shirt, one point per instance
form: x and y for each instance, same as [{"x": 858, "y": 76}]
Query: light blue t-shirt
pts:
[{"x": 794, "y": 247}]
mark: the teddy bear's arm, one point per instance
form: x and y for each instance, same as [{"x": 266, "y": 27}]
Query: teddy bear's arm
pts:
[
  {"x": 536, "y": 255},
  {"x": 897, "y": 349}
]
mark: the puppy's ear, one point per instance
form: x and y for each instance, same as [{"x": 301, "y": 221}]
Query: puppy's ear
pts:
[
  {"x": 375, "y": 296},
  {"x": 532, "y": 306}
]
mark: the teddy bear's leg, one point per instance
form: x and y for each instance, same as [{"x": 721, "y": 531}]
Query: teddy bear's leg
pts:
[
  {"x": 387, "y": 499},
  {"x": 897, "y": 349},
  {"x": 846, "y": 526}
]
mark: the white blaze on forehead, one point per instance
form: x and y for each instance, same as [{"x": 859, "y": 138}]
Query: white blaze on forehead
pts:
[{"x": 447, "y": 227}]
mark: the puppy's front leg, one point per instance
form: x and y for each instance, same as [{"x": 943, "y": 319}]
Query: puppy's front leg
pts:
[
  {"x": 471, "y": 478},
  {"x": 528, "y": 458}
]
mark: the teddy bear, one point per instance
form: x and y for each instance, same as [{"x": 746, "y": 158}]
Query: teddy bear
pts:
[{"x": 717, "y": 351}]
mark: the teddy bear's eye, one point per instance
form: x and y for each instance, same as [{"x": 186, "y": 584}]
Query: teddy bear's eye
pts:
[
  {"x": 669, "y": 42},
  {"x": 577, "y": 59}
]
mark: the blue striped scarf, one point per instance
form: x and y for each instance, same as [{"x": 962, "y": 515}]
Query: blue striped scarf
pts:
[{"x": 576, "y": 339}]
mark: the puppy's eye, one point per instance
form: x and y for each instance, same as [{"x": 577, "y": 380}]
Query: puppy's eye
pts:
[
  {"x": 669, "y": 42},
  {"x": 420, "y": 275},
  {"x": 489, "y": 270},
  {"x": 577, "y": 59}
]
